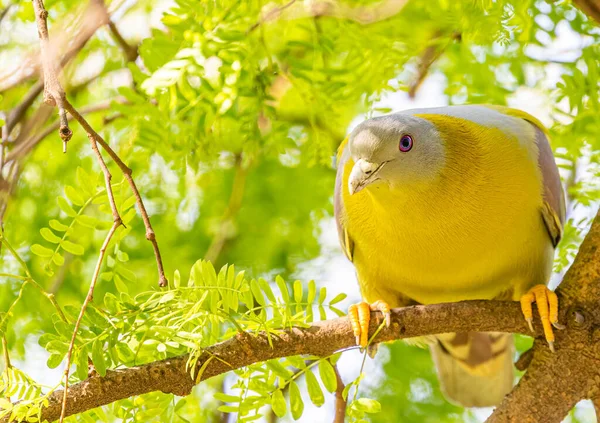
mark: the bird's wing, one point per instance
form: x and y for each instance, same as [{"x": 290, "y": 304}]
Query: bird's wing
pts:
[
  {"x": 338, "y": 204},
  {"x": 553, "y": 208}
]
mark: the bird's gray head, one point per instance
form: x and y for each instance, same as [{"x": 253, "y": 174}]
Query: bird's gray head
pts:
[{"x": 397, "y": 150}]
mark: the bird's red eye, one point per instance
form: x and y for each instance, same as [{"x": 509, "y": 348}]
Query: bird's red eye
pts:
[{"x": 406, "y": 143}]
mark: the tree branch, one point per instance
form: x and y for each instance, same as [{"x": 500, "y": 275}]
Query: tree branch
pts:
[
  {"x": 428, "y": 58},
  {"x": 54, "y": 94},
  {"x": 363, "y": 15},
  {"x": 340, "y": 402},
  {"x": 116, "y": 223},
  {"x": 321, "y": 339},
  {"x": 5, "y": 352},
  {"x": 5, "y": 11},
  {"x": 150, "y": 235},
  {"x": 23, "y": 148},
  {"x": 590, "y": 8},
  {"x": 94, "y": 17},
  {"x": 223, "y": 233},
  {"x": 131, "y": 52},
  {"x": 18, "y": 112}
]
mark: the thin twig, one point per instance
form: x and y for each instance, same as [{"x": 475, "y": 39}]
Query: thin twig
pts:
[
  {"x": 5, "y": 11},
  {"x": 5, "y": 350},
  {"x": 235, "y": 202},
  {"x": 131, "y": 52},
  {"x": 363, "y": 15},
  {"x": 23, "y": 148},
  {"x": 87, "y": 300},
  {"x": 150, "y": 235},
  {"x": 81, "y": 39},
  {"x": 54, "y": 94},
  {"x": 340, "y": 402},
  {"x": 7, "y": 364},
  {"x": 7, "y": 191},
  {"x": 30, "y": 279},
  {"x": 270, "y": 15},
  {"x": 20, "y": 109},
  {"x": 92, "y": 20},
  {"x": 116, "y": 223},
  {"x": 428, "y": 58}
]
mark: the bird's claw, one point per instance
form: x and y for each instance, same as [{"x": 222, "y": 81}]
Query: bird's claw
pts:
[
  {"x": 360, "y": 317},
  {"x": 547, "y": 305}
]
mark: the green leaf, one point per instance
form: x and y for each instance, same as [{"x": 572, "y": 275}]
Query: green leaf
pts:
[
  {"x": 296, "y": 361},
  {"x": 277, "y": 368},
  {"x": 110, "y": 302},
  {"x": 73, "y": 196},
  {"x": 176, "y": 279},
  {"x": 327, "y": 373},
  {"x": 98, "y": 357},
  {"x": 4, "y": 403},
  {"x": 49, "y": 236},
  {"x": 298, "y": 291},
  {"x": 278, "y": 403},
  {"x": 82, "y": 364},
  {"x": 41, "y": 251},
  {"x": 54, "y": 360},
  {"x": 58, "y": 226},
  {"x": 314, "y": 389},
  {"x": 285, "y": 295},
  {"x": 58, "y": 259},
  {"x": 296, "y": 403},
  {"x": 368, "y": 405},
  {"x": 322, "y": 295},
  {"x": 226, "y": 398},
  {"x": 87, "y": 221},
  {"x": 312, "y": 291},
  {"x": 126, "y": 273},
  {"x": 72, "y": 248},
  {"x": 66, "y": 207},
  {"x": 257, "y": 292},
  {"x": 266, "y": 288},
  {"x": 228, "y": 409},
  {"x": 123, "y": 257},
  {"x": 338, "y": 298},
  {"x": 85, "y": 181}
]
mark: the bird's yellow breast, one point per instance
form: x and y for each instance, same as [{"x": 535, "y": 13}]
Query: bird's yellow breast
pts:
[{"x": 474, "y": 232}]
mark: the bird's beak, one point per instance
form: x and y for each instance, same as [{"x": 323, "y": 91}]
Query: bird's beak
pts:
[{"x": 363, "y": 173}]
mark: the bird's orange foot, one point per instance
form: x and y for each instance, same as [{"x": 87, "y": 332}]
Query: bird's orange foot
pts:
[
  {"x": 547, "y": 305},
  {"x": 360, "y": 317}
]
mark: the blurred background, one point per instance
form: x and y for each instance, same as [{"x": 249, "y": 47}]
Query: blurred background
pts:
[{"x": 230, "y": 113}]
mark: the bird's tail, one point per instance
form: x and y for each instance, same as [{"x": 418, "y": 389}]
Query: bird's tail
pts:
[{"x": 474, "y": 369}]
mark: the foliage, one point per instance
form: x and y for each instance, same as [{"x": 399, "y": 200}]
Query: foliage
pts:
[{"x": 230, "y": 119}]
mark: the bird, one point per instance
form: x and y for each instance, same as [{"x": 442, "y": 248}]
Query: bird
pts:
[{"x": 447, "y": 204}]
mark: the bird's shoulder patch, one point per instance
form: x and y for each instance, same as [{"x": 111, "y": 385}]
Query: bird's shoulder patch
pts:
[{"x": 519, "y": 114}]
